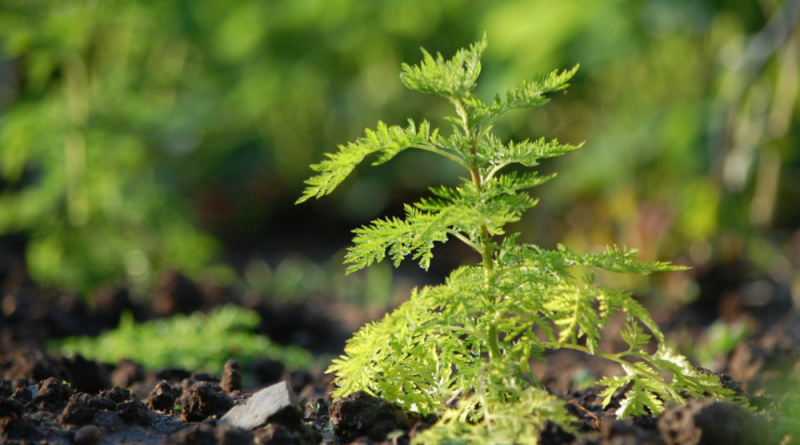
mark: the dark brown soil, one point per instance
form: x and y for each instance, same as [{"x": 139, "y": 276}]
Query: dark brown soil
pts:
[
  {"x": 52, "y": 412},
  {"x": 48, "y": 399}
]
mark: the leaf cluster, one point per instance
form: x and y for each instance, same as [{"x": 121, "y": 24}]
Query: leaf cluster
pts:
[
  {"x": 532, "y": 305},
  {"x": 475, "y": 335}
]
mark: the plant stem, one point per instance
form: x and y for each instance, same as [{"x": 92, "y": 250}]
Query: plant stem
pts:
[
  {"x": 486, "y": 239},
  {"x": 475, "y": 172},
  {"x": 443, "y": 153},
  {"x": 614, "y": 358},
  {"x": 494, "y": 346}
]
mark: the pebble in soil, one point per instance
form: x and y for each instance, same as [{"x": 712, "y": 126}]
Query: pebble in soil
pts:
[
  {"x": 88, "y": 435},
  {"x": 275, "y": 404}
]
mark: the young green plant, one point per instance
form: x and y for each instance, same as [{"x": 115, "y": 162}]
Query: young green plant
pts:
[{"x": 473, "y": 336}]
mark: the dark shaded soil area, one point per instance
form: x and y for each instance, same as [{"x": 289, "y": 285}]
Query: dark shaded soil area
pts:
[
  {"x": 50, "y": 399},
  {"x": 181, "y": 409},
  {"x": 30, "y": 315}
]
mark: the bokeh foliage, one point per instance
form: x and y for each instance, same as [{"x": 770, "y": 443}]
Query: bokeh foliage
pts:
[
  {"x": 130, "y": 130},
  {"x": 193, "y": 342}
]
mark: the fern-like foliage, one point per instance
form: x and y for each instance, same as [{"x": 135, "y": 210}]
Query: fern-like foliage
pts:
[
  {"x": 453, "y": 79},
  {"x": 388, "y": 141},
  {"x": 474, "y": 336},
  {"x": 484, "y": 419}
]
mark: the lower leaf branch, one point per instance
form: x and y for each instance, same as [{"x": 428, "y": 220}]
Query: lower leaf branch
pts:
[
  {"x": 439, "y": 151},
  {"x": 616, "y": 358},
  {"x": 607, "y": 355},
  {"x": 464, "y": 239}
]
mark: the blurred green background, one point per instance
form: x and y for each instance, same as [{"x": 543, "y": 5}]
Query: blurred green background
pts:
[{"x": 144, "y": 136}]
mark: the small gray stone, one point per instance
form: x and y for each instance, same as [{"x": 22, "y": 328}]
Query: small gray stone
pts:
[
  {"x": 88, "y": 435},
  {"x": 276, "y": 403}
]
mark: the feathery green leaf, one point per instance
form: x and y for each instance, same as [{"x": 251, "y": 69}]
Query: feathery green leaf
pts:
[{"x": 389, "y": 141}]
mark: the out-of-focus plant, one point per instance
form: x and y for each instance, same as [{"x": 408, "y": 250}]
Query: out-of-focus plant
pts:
[
  {"x": 193, "y": 342},
  {"x": 297, "y": 277},
  {"x": 719, "y": 339},
  {"x": 114, "y": 111},
  {"x": 202, "y": 101},
  {"x": 81, "y": 144},
  {"x": 697, "y": 98}
]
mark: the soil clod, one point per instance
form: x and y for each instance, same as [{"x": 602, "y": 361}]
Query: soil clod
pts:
[
  {"x": 620, "y": 432},
  {"x": 134, "y": 411},
  {"x": 52, "y": 391},
  {"x": 210, "y": 434},
  {"x": 10, "y": 408},
  {"x": 162, "y": 398},
  {"x": 116, "y": 394},
  {"x": 232, "y": 377},
  {"x": 205, "y": 399},
  {"x": 281, "y": 435},
  {"x": 21, "y": 431},
  {"x": 78, "y": 412},
  {"x": 361, "y": 414},
  {"x": 705, "y": 422},
  {"x": 22, "y": 395}
]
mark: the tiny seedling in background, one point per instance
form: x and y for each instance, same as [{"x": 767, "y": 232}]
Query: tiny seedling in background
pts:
[
  {"x": 474, "y": 335},
  {"x": 194, "y": 342}
]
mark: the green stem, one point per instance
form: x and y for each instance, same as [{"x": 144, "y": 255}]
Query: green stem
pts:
[
  {"x": 615, "y": 358},
  {"x": 474, "y": 169},
  {"x": 486, "y": 239},
  {"x": 443, "y": 153},
  {"x": 494, "y": 170},
  {"x": 463, "y": 239},
  {"x": 487, "y": 253}
]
